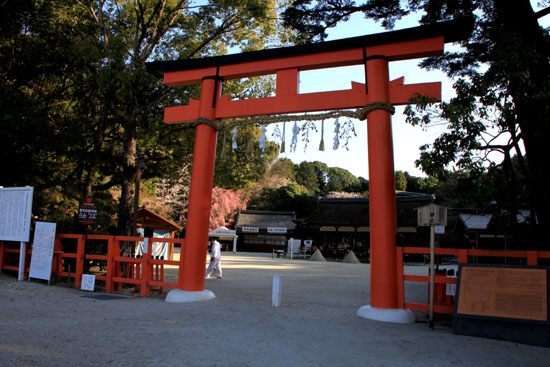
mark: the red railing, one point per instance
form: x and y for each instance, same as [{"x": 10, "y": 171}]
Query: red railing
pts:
[
  {"x": 9, "y": 257},
  {"x": 463, "y": 255},
  {"x": 143, "y": 272}
]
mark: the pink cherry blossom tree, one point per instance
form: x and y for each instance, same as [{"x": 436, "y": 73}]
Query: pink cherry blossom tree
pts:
[{"x": 225, "y": 206}]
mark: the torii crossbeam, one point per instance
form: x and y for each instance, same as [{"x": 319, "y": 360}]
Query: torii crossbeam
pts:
[{"x": 374, "y": 52}]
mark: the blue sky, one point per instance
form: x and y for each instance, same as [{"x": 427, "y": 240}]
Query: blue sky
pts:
[{"x": 406, "y": 139}]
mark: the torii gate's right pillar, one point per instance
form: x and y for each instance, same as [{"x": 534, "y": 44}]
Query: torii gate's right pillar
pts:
[{"x": 382, "y": 207}]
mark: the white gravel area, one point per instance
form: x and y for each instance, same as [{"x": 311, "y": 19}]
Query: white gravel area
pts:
[{"x": 316, "y": 324}]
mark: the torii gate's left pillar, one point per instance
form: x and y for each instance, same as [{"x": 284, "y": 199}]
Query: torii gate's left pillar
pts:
[{"x": 193, "y": 253}]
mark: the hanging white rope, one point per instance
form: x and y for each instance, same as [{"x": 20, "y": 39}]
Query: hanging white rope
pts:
[
  {"x": 360, "y": 114},
  {"x": 322, "y": 143},
  {"x": 263, "y": 139},
  {"x": 336, "y": 134},
  {"x": 347, "y": 130},
  {"x": 294, "y": 141},
  {"x": 342, "y": 131},
  {"x": 283, "y": 140},
  {"x": 234, "y": 138}
]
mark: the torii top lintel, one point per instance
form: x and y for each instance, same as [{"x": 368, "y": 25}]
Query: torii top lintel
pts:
[{"x": 287, "y": 62}]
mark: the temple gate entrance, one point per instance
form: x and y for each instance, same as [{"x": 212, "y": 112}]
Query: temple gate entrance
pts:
[{"x": 374, "y": 99}]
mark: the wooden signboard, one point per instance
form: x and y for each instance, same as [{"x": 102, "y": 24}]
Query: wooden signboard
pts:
[
  {"x": 515, "y": 293},
  {"x": 42, "y": 251},
  {"x": 432, "y": 215},
  {"x": 503, "y": 302}
]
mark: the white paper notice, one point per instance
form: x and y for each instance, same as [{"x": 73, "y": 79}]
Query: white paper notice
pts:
[
  {"x": 88, "y": 282},
  {"x": 42, "y": 251},
  {"x": 450, "y": 289}
]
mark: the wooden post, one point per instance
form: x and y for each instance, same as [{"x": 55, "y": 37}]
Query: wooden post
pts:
[
  {"x": 80, "y": 253},
  {"x": 432, "y": 274},
  {"x": 532, "y": 258},
  {"x": 111, "y": 253},
  {"x": 400, "y": 278},
  {"x": 118, "y": 267},
  {"x": 145, "y": 268},
  {"x": 22, "y": 260},
  {"x": 462, "y": 256}
]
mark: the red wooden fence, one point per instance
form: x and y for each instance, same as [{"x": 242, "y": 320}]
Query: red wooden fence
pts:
[
  {"x": 145, "y": 272},
  {"x": 531, "y": 257}
]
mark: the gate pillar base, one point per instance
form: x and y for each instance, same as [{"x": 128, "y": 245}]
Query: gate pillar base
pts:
[
  {"x": 180, "y": 296},
  {"x": 395, "y": 315}
]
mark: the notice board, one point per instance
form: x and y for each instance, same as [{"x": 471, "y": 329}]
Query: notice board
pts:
[
  {"x": 15, "y": 213},
  {"x": 42, "y": 251},
  {"x": 503, "y": 302},
  {"x": 516, "y": 293}
]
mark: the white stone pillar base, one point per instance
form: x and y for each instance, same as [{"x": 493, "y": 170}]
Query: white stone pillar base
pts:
[
  {"x": 178, "y": 295},
  {"x": 396, "y": 315}
]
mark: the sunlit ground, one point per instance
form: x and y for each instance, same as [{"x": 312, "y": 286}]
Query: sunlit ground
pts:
[{"x": 260, "y": 261}]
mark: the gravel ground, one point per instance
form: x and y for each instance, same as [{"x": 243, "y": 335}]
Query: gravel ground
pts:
[{"x": 316, "y": 324}]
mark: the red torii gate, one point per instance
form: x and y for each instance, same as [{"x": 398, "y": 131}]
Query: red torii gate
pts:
[{"x": 378, "y": 93}]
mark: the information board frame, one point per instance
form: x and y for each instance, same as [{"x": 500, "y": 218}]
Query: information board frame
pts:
[
  {"x": 500, "y": 280},
  {"x": 15, "y": 213},
  {"x": 490, "y": 324}
]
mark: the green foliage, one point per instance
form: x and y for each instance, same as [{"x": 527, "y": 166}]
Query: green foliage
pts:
[
  {"x": 400, "y": 181},
  {"x": 318, "y": 178},
  {"x": 463, "y": 190},
  {"x": 278, "y": 194},
  {"x": 313, "y": 175},
  {"x": 292, "y": 197},
  {"x": 45, "y": 55},
  {"x": 78, "y": 103},
  {"x": 244, "y": 166},
  {"x": 363, "y": 186},
  {"x": 285, "y": 168},
  {"x": 340, "y": 179},
  {"x": 427, "y": 185},
  {"x": 312, "y": 18}
]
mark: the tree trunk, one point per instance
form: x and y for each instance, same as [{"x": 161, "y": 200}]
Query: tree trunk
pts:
[
  {"x": 529, "y": 73},
  {"x": 128, "y": 174}
]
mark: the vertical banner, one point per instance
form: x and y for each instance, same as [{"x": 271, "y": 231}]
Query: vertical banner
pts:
[{"x": 42, "y": 251}]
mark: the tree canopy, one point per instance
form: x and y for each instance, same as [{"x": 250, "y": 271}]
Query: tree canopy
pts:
[
  {"x": 78, "y": 105},
  {"x": 502, "y": 74}
]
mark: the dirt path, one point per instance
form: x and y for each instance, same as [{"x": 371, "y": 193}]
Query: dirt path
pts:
[{"x": 316, "y": 325}]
